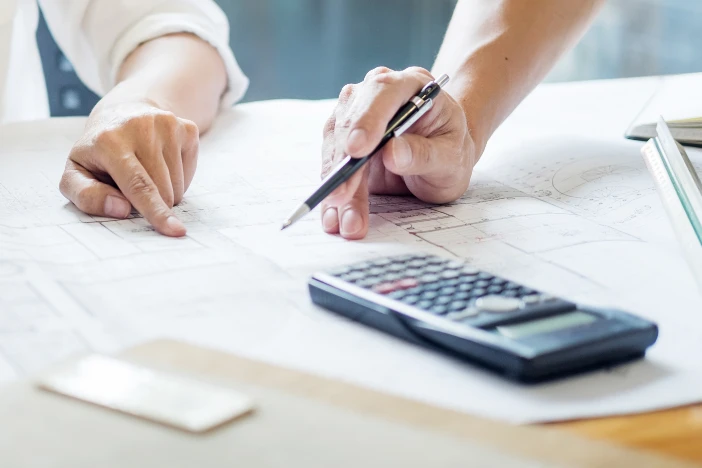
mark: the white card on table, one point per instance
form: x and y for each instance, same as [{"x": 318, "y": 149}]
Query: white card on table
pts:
[{"x": 158, "y": 396}]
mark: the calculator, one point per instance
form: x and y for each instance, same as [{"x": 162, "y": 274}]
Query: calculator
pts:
[{"x": 449, "y": 306}]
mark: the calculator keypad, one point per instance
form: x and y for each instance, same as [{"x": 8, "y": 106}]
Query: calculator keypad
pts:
[{"x": 442, "y": 286}]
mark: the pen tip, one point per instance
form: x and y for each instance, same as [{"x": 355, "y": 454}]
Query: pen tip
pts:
[{"x": 286, "y": 224}]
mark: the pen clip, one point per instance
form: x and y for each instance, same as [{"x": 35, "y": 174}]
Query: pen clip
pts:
[{"x": 428, "y": 104}]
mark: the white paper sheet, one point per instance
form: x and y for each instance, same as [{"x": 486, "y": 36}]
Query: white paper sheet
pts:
[{"x": 560, "y": 202}]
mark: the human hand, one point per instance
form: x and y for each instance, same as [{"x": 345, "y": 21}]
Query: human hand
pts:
[
  {"x": 433, "y": 160},
  {"x": 133, "y": 153}
]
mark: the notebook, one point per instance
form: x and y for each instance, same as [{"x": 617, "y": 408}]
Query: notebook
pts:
[{"x": 679, "y": 98}]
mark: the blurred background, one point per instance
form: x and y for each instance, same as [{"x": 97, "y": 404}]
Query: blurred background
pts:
[{"x": 309, "y": 49}]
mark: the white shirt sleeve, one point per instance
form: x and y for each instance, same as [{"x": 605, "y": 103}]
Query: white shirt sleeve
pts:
[{"x": 97, "y": 35}]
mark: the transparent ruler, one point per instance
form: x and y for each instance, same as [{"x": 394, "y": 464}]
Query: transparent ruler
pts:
[{"x": 681, "y": 191}]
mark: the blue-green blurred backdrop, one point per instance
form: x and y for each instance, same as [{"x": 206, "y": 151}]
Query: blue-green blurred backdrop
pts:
[{"x": 311, "y": 48}]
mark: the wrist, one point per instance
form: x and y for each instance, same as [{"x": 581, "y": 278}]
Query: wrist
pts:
[{"x": 124, "y": 94}]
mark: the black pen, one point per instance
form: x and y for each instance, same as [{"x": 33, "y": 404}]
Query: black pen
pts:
[{"x": 401, "y": 121}]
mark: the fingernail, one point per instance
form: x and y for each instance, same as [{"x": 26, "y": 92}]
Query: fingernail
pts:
[
  {"x": 330, "y": 219},
  {"x": 356, "y": 140},
  {"x": 402, "y": 153},
  {"x": 351, "y": 223},
  {"x": 116, "y": 207},
  {"x": 175, "y": 224}
]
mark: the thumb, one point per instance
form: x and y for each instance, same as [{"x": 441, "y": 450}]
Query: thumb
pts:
[
  {"x": 412, "y": 154},
  {"x": 92, "y": 196}
]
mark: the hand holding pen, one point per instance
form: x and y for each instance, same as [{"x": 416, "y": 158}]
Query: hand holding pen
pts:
[{"x": 432, "y": 160}]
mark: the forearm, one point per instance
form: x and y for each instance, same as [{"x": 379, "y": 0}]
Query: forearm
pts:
[
  {"x": 179, "y": 73},
  {"x": 497, "y": 51}
]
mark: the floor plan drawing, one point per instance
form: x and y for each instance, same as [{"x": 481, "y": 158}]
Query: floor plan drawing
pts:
[{"x": 70, "y": 282}]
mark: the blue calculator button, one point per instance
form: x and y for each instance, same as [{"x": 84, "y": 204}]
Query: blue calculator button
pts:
[
  {"x": 438, "y": 309},
  {"x": 458, "y": 305},
  {"x": 482, "y": 284},
  {"x": 424, "y": 305},
  {"x": 429, "y": 295},
  {"x": 411, "y": 299},
  {"x": 447, "y": 291},
  {"x": 465, "y": 287},
  {"x": 443, "y": 300},
  {"x": 494, "y": 289}
]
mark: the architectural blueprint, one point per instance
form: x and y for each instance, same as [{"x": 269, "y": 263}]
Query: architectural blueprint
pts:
[{"x": 577, "y": 218}]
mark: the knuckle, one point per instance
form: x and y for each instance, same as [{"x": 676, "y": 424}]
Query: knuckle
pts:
[
  {"x": 377, "y": 71},
  {"x": 192, "y": 131},
  {"x": 346, "y": 92},
  {"x": 107, "y": 139},
  {"x": 418, "y": 71},
  {"x": 385, "y": 79},
  {"x": 139, "y": 184},
  {"x": 329, "y": 125}
]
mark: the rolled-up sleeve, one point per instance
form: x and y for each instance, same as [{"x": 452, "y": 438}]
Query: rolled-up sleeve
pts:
[{"x": 97, "y": 35}]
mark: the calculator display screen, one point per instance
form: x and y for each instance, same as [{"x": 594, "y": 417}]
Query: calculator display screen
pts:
[{"x": 546, "y": 325}]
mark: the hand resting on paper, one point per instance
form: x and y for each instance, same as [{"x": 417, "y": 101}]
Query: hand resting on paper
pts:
[{"x": 433, "y": 160}]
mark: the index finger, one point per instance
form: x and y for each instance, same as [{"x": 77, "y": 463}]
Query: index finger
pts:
[
  {"x": 136, "y": 184},
  {"x": 383, "y": 92}
]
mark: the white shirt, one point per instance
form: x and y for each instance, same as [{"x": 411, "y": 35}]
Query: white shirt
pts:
[{"x": 96, "y": 36}]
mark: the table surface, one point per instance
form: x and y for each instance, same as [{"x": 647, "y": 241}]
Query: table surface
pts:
[{"x": 676, "y": 432}]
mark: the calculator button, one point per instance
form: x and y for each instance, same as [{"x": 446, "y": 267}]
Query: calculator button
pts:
[
  {"x": 455, "y": 265},
  {"x": 417, "y": 263},
  {"x": 478, "y": 292},
  {"x": 498, "y": 281},
  {"x": 498, "y": 304},
  {"x": 381, "y": 262},
  {"x": 438, "y": 309},
  {"x": 468, "y": 270},
  {"x": 339, "y": 271},
  {"x": 447, "y": 291},
  {"x": 525, "y": 291},
  {"x": 461, "y": 296},
  {"x": 465, "y": 287},
  {"x": 413, "y": 272},
  {"x": 423, "y": 304},
  {"x": 407, "y": 283},
  {"x": 468, "y": 278},
  {"x": 429, "y": 295},
  {"x": 397, "y": 294},
  {"x": 512, "y": 285},
  {"x": 450, "y": 274},
  {"x": 390, "y": 277},
  {"x": 485, "y": 276},
  {"x": 417, "y": 291},
  {"x": 434, "y": 269},
  {"x": 396, "y": 267},
  {"x": 494, "y": 289},
  {"x": 458, "y": 305},
  {"x": 368, "y": 282},
  {"x": 443, "y": 299},
  {"x": 411, "y": 299},
  {"x": 353, "y": 276},
  {"x": 511, "y": 293},
  {"x": 361, "y": 266},
  {"x": 384, "y": 288},
  {"x": 375, "y": 271},
  {"x": 429, "y": 278},
  {"x": 482, "y": 284}
]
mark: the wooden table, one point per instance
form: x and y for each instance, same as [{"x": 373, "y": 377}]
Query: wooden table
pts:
[{"x": 676, "y": 432}]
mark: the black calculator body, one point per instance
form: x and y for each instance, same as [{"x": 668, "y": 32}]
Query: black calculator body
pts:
[{"x": 447, "y": 305}]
